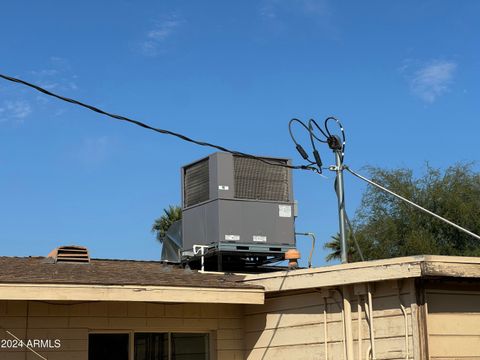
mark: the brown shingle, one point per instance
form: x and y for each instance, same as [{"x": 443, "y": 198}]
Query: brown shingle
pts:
[{"x": 40, "y": 270}]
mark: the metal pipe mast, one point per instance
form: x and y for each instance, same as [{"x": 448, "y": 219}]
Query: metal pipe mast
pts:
[{"x": 339, "y": 183}]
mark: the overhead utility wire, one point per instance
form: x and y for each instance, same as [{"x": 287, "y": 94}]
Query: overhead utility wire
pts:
[
  {"x": 313, "y": 137},
  {"x": 162, "y": 131},
  {"x": 331, "y": 140},
  {"x": 411, "y": 203},
  {"x": 316, "y": 154},
  {"x": 352, "y": 233},
  {"x": 299, "y": 147},
  {"x": 334, "y": 143},
  {"x": 342, "y": 130}
]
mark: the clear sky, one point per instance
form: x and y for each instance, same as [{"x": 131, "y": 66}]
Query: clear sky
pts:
[{"x": 403, "y": 76}]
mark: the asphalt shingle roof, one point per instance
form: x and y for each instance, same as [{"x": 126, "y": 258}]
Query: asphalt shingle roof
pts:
[{"x": 42, "y": 270}]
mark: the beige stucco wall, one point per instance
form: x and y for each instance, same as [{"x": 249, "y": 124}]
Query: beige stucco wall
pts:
[
  {"x": 453, "y": 323},
  {"x": 71, "y": 323},
  {"x": 292, "y": 327}
]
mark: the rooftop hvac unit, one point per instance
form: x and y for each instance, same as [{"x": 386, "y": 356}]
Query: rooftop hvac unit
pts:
[{"x": 238, "y": 204}]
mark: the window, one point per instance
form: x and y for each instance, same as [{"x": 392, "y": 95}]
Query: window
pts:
[
  {"x": 108, "y": 346},
  {"x": 151, "y": 346},
  {"x": 171, "y": 346},
  {"x": 189, "y": 346}
]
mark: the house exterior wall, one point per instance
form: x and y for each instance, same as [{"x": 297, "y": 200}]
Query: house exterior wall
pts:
[
  {"x": 71, "y": 324},
  {"x": 442, "y": 322},
  {"x": 292, "y": 326},
  {"x": 453, "y": 321}
]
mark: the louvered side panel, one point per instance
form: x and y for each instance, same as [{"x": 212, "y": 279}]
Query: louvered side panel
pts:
[
  {"x": 196, "y": 183},
  {"x": 257, "y": 180}
]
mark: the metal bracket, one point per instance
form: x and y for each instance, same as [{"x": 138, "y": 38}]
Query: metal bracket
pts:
[
  {"x": 336, "y": 168},
  {"x": 201, "y": 249}
]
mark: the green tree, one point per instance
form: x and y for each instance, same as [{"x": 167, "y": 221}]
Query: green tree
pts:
[
  {"x": 163, "y": 223},
  {"x": 387, "y": 227}
]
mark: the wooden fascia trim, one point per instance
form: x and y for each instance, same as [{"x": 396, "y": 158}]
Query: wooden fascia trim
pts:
[{"x": 85, "y": 292}]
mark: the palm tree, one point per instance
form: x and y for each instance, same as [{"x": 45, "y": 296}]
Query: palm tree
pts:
[
  {"x": 163, "y": 223},
  {"x": 334, "y": 246},
  {"x": 336, "y": 253}
]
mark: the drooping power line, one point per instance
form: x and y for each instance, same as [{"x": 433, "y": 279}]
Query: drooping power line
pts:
[{"x": 149, "y": 127}]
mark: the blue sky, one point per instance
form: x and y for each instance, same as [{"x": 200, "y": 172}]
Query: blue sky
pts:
[{"x": 404, "y": 78}]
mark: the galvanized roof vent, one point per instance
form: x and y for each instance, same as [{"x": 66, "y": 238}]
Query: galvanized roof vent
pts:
[{"x": 70, "y": 254}]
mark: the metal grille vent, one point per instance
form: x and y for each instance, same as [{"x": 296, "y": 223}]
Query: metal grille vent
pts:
[
  {"x": 70, "y": 254},
  {"x": 196, "y": 183},
  {"x": 257, "y": 180}
]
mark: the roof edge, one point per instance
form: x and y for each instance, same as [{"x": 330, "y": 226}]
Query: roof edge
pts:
[
  {"x": 368, "y": 271},
  {"x": 88, "y": 292},
  {"x": 451, "y": 266}
]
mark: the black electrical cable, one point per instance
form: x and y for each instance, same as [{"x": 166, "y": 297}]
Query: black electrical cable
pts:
[
  {"x": 328, "y": 136},
  {"x": 316, "y": 154},
  {"x": 312, "y": 121},
  {"x": 146, "y": 126},
  {"x": 342, "y": 130},
  {"x": 299, "y": 147},
  {"x": 304, "y": 125}
]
